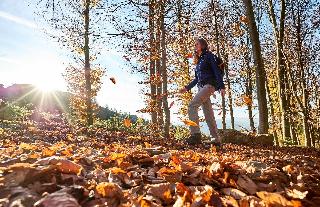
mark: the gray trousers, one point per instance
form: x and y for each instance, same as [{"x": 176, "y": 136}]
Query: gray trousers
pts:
[{"x": 202, "y": 98}]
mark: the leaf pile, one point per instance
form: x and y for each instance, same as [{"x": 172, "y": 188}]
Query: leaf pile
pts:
[{"x": 50, "y": 165}]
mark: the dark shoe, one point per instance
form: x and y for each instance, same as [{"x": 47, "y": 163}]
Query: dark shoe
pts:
[{"x": 194, "y": 139}]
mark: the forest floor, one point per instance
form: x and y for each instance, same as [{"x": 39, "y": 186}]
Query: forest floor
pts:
[{"x": 49, "y": 165}]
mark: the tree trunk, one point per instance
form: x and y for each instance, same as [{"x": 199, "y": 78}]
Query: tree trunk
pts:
[
  {"x": 158, "y": 67},
  {"x": 164, "y": 73},
  {"x": 274, "y": 132},
  {"x": 229, "y": 93},
  {"x": 87, "y": 63},
  {"x": 249, "y": 87},
  {"x": 305, "y": 96},
  {"x": 282, "y": 82},
  {"x": 152, "y": 71},
  {"x": 223, "y": 99},
  {"x": 260, "y": 71}
]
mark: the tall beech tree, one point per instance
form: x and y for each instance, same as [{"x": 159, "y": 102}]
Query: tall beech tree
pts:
[
  {"x": 78, "y": 26},
  {"x": 260, "y": 71}
]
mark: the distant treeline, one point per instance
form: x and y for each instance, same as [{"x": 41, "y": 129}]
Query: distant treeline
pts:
[{"x": 28, "y": 95}]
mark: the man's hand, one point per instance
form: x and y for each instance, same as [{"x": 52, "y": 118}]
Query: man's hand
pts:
[
  {"x": 182, "y": 90},
  {"x": 222, "y": 92}
]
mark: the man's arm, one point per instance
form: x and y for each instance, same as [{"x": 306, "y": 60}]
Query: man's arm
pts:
[{"x": 191, "y": 84}]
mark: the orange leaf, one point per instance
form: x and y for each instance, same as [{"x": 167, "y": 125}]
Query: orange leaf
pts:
[
  {"x": 109, "y": 190},
  {"x": 189, "y": 55},
  {"x": 247, "y": 100},
  {"x": 189, "y": 122},
  {"x": 175, "y": 160},
  {"x": 48, "y": 152},
  {"x": 127, "y": 122},
  {"x": 67, "y": 166}
]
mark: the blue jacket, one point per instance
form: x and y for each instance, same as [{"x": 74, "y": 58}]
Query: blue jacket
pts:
[{"x": 207, "y": 72}]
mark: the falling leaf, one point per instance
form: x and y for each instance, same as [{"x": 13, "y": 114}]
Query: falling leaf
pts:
[
  {"x": 171, "y": 104},
  {"x": 247, "y": 100},
  {"x": 244, "y": 19},
  {"x": 189, "y": 122},
  {"x": 113, "y": 80},
  {"x": 127, "y": 122},
  {"x": 189, "y": 55}
]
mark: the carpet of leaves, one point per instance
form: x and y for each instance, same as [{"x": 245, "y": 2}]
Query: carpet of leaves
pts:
[{"x": 50, "y": 165}]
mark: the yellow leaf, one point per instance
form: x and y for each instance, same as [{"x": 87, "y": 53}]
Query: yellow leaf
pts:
[
  {"x": 189, "y": 122},
  {"x": 147, "y": 145},
  {"x": 117, "y": 170},
  {"x": 115, "y": 156},
  {"x": 48, "y": 152},
  {"x": 127, "y": 122}
]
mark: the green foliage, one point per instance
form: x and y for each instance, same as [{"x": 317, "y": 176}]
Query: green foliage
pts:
[
  {"x": 116, "y": 123},
  {"x": 180, "y": 132},
  {"x": 14, "y": 112}
]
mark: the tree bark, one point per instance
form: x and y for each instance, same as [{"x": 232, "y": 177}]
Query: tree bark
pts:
[
  {"x": 305, "y": 95},
  {"x": 223, "y": 99},
  {"x": 249, "y": 88},
  {"x": 282, "y": 82},
  {"x": 158, "y": 67},
  {"x": 260, "y": 71},
  {"x": 164, "y": 73},
  {"x": 229, "y": 93},
  {"x": 152, "y": 71},
  {"x": 87, "y": 63}
]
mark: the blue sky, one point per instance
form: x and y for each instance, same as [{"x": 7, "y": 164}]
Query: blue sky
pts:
[{"x": 27, "y": 55}]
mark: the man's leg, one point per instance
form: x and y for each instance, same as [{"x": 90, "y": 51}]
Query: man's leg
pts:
[
  {"x": 210, "y": 119},
  {"x": 202, "y": 96}
]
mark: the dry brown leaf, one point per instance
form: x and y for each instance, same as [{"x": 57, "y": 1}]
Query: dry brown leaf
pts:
[
  {"x": 274, "y": 199},
  {"x": 58, "y": 199},
  {"x": 215, "y": 168},
  {"x": 161, "y": 191},
  {"x": 294, "y": 193},
  {"x": 247, "y": 184},
  {"x": 237, "y": 194},
  {"x": 113, "y": 80}
]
